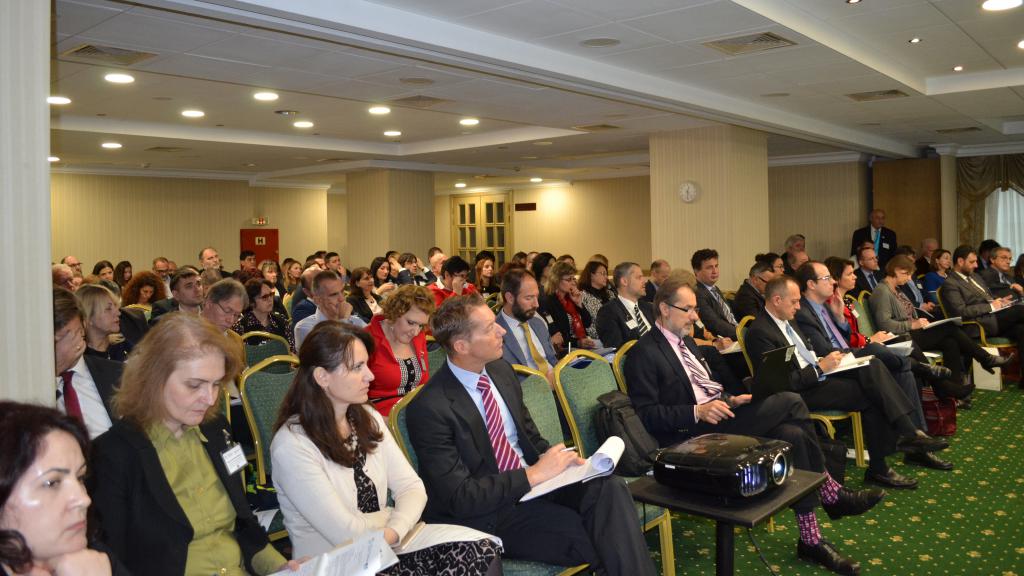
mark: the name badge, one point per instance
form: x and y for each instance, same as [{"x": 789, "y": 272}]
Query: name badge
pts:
[
  {"x": 855, "y": 314},
  {"x": 234, "y": 458},
  {"x": 549, "y": 319},
  {"x": 631, "y": 324},
  {"x": 885, "y": 245}
]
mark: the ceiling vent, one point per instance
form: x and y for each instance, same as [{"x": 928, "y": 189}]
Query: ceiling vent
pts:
[
  {"x": 419, "y": 101},
  {"x": 166, "y": 149},
  {"x": 96, "y": 54},
  {"x": 958, "y": 130},
  {"x": 876, "y": 95},
  {"x": 750, "y": 43},
  {"x": 597, "y": 127}
]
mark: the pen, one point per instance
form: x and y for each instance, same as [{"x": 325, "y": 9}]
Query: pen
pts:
[{"x": 569, "y": 449}]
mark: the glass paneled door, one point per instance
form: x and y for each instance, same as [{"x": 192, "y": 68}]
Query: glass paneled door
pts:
[{"x": 481, "y": 223}]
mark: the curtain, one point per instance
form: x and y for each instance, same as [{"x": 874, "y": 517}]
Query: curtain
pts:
[
  {"x": 976, "y": 178},
  {"x": 1004, "y": 219}
]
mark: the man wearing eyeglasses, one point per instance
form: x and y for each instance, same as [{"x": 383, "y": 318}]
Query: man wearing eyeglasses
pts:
[
  {"x": 749, "y": 299},
  {"x": 223, "y": 306}
]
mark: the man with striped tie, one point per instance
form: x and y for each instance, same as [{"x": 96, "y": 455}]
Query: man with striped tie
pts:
[
  {"x": 479, "y": 453},
  {"x": 715, "y": 312},
  {"x": 677, "y": 395},
  {"x": 627, "y": 316}
]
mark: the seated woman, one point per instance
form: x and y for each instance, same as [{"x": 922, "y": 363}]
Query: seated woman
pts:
[
  {"x": 562, "y": 307},
  {"x": 104, "y": 270},
  {"x": 43, "y": 501},
  {"x": 123, "y": 273},
  {"x": 166, "y": 478},
  {"x": 541, "y": 266},
  {"x": 774, "y": 260},
  {"x": 144, "y": 289},
  {"x": 365, "y": 302},
  {"x": 843, "y": 311},
  {"x": 102, "y": 320},
  {"x": 382, "y": 284},
  {"x": 941, "y": 263},
  {"x": 486, "y": 282},
  {"x": 593, "y": 285},
  {"x": 260, "y": 315},
  {"x": 399, "y": 358},
  {"x": 335, "y": 463},
  {"x": 292, "y": 272},
  {"x": 892, "y": 311}
]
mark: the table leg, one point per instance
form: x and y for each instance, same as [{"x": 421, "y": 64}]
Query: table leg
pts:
[{"x": 725, "y": 545}]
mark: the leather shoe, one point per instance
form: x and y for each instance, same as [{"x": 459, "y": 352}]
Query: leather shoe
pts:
[
  {"x": 950, "y": 389},
  {"x": 937, "y": 372},
  {"x": 825, "y": 554},
  {"x": 996, "y": 361},
  {"x": 853, "y": 503},
  {"x": 918, "y": 444},
  {"x": 891, "y": 478},
  {"x": 928, "y": 460}
]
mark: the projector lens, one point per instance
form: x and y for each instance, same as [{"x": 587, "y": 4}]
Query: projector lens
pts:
[{"x": 780, "y": 468}]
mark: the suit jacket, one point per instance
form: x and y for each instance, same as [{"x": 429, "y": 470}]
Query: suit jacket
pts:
[
  {"x": 649, "y": 291},
  {"x": 886, "y": 312},
  {"x": 161, "y": 307},
  {"x": 139, "y": 514},
  {"x": 862, "y": 280},
  {"x": 963, "y": 299},
  {"x": 922, "y": 266},
  {"x": 886, "y": 247},
  {"x": 513, "y": 353},
  {"x": 712, "y": 315},
  {"x": 107, "y": 376},
  {"x": 612, "y": 318},
  {"x": 763, "y": 335},
  {"x": 999, "y": 286},
  {"x": 133, "y": 325},
  {"x": 807, "y": 320},
  {"x": 457, "y": 461},
  {"x": 360, "y": 307},
  {"x": 748, "y": 301},
  {"x": 552, "y": 307}
]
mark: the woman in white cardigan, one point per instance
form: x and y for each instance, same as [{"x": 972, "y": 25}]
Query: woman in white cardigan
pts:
[{"x": 334, "y": 463}]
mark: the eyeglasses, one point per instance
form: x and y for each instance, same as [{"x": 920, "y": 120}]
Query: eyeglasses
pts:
[
  {"x": 266, "y": 296},
  {"x": 824, "y": 278},
  {"x": 229, "y": 312},
  {"x": 686, "y": 309}
]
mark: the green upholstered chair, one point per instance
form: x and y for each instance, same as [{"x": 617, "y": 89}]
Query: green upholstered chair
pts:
[
  {"x": 741, "y": 334},
  {"x": 399, "y": 430},
  {"x": 271, "y": 345},
  {"x": 1004, "y": 346},
  {"x": 540, "y": 401},
  {"x": 436, "y": 355},
  {"x": 865, "y": 321},
  {"x": 619, "y": 364}
]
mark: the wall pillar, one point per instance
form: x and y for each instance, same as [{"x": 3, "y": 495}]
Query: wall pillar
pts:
[
  {"x": 950, "y": 237},
  {"x": 389, "y": 210}
]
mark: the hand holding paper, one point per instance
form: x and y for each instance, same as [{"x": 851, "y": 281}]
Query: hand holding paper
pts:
[{"x": 602, "y": 463}]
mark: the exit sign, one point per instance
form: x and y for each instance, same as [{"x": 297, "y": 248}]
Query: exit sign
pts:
[{"x": 259, "y": 221}]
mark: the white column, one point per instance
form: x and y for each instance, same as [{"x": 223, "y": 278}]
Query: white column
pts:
[
  {"x": 948, "y": 197},
  {"x": 26, "y": 317}
]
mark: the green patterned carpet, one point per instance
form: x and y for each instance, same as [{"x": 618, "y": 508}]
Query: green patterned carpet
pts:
[{"x": 969, "y": 521}]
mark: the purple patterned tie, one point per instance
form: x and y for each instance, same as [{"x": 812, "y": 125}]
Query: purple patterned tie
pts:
[
  {"x": 503, "y": 451},
  {"x": 698, "y": 374}
]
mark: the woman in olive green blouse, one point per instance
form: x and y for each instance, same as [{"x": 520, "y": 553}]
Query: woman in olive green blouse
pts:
[{"x": 166, "y": 476}]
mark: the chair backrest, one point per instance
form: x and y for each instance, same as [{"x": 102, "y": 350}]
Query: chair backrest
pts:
[
  {"x": 287, "y": 303},
  {"x": 580, "y": 378},
  {"x": 942, "y": 303},
  {"x": 494, "y": 301},
  {"x": 268, "y": 345},
  {"x": 262, "y": 392},
  {"x": 399, "y": 430},
  {"x": 741, "y": 337},
  {"x": 865, "y": 321},
  {"x": 540, "y": 401},
  {"x": 436, "y": 355},
  {"x": 619, "y": 363}
]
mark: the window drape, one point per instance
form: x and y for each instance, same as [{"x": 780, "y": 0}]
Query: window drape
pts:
[{"x": 976, "y": 178}]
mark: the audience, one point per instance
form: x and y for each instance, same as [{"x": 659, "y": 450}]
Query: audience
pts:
[
  {"x": 332, "y": 262},
  {"x": 186, "y": 295},
  {"x": 841, "y": 304},
  {"x": 999, "y": 277},
  {"x": 143, "y": 290},
  {"x": 410, "y": 272},
  {"x": 435, "y": 258},
  {"x": 223, "y": 305},
  {"x": 749, "y": 300},
  {"x": 882, "y": 239},
  {"x": 942, "y": 263},
  {"x": 328, "y": 294},
  {"x": 660, "y": 270},
  {"x": 73, "y": 263},
  {"x": 540, "y": 265},
  {"x": 210, "y": 259},
  {"x": 965, "y": 294},
  {"x": 984, "y": 251},
  {"x": 104, "y": 270},
  {"x": 868, "y": 272},
  {"x": 101, "y": 318},
  {"x": 123, "y": 273},
  {"x": 526, "y": 341},
  {"x": 260, "y": 316},
  {"x": 453, "y": 280},
  {"x": 594, "y": 285},
  {"x": 63, "y": 277},
  {"x": 795, "y": 245},
  {"x": 486, "y": 281},
  {"x": 382, "y": 276},
  {"x": 715, "y": 313},
  {"x": 627, "y": 316},
  {"x": 774, "y": 261},
  {"x": 398, "y": 358},
  {"x": 923, "y": 264},
  {"x": 292, "y": 270},
  {"x": 562, "y": 306},
  {"x": 364, "y": 301},
  {"x": 302, "y": 306}
]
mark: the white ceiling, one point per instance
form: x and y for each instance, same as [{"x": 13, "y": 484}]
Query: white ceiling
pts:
[{"x": 519, "y": 67}]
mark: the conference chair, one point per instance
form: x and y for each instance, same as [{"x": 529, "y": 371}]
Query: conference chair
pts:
[
  {"x": 541, "y": 403},
  {"x": 273, "y": 345},
  {"x": 865, "y": 321},
  {"x": 741, "y": 333},
  {"x": 436, "y": 356},
  {"x": 619, "y": 364},
  {"x": 1004, "y": 346}
]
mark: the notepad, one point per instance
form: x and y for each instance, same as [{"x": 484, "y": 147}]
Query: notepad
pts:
[
  {"x": 601, "y": 463},
  {"x": 734, "y": 348},
  {"x": 850, "y": 362},
  {"x": 364, "y": 556},
  {"x": 955, "y": 320},
  {"x": 426, "y": 535}
]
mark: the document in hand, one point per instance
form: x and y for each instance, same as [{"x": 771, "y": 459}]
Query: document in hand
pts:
[
  {"x": 732, "y": 349},
  {"x": 850, "y": 362},
  {"x": 365, "y": 556},
  {"x": 602, "y": 463},
  {"x": 426, "y": 535},
  {"x": 955, "y": 320},
  {"x": 901, "y": 348}
]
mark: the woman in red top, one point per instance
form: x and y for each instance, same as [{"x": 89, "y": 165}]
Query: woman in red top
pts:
[
  {"x": 842, "y": 271},
  {"x": 399, "y": 359},
  {"x": 562, "y": 308}
]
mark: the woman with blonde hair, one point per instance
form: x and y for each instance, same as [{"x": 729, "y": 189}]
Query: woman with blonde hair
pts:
[
  {"x": 102, "y": 321},
  {"x": 399, "y": 358},
  {"x": 167, "y": 484},
  {"x": 562, "y": 307}
]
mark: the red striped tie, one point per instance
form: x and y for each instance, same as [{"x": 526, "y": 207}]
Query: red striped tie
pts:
[{"x": 503, "y": 452}]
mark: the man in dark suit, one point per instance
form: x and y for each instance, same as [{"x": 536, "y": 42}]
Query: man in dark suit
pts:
[
  {"x": 870, "y": 389},
  {"x": 749, "y": 300},
  {"x": 410, "y": 272},
  {"x": 187, "y": 295},
  {"x": 998, "y": 275},
  {"x": 476, "y": 470},
  {"x": 984, "y": 251},
  {"x": 627, "y": 316},
  {"x": 660, "y": 270},
  {"x": 714, "y": 310},
  {"x": 868, "y": 272},
  {"x": 678, "y": 395},
  {"x": 526, "y": 341},
  {"x": 435, "y": 259},
  {"x": 133, "y": 325},
  {"x": 965, "y": 294},
  {"x": 85, "y": 384},
  {"x": 923, "y": 264},
  {"x": 882, "y": 239}
]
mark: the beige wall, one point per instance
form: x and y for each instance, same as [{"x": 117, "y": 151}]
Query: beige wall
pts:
[
  {"x": 136, "y": 219},
  {"x": 824, "y": 202},
  {"x": 389, "y": 210},
  {"x": 337, "y": 227},
  {"x": 910, "y": 192}
]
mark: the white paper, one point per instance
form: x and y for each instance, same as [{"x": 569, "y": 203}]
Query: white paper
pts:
[
  {"x": 601, "y": 463},
  {"x": 732, "y": 349},
  {"x": 955, "y": 320},
  {"x": 365, "y": 556},
  {"x": 850, "y": 362},
  {"x": 434, "y": 534},
  {"x": 902, "y": 348},
  {"x": 266, "y": 518}
]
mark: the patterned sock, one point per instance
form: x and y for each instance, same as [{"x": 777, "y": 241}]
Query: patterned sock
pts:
[
  {"x": 809, "y": 531},
  {"x": 829, "y": 491}
]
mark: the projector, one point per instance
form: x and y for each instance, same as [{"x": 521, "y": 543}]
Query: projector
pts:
[{"x": 724, "y": 465}]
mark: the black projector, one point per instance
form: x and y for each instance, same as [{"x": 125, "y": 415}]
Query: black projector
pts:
[{"x": 724, "y": 465}]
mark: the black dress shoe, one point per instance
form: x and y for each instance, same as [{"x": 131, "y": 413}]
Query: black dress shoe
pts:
[
  {"x": 851, "y": 503},
  {"x": 825, "y": 554},
  {"x": 931, "y": 372},
  {"x": 928, "y": 461},
  {"x": 891, "y": 478},
  {"x": 996, "y": 361},
  {"x": 950, "y": 389},
  {"x": 919, "y": 444}
]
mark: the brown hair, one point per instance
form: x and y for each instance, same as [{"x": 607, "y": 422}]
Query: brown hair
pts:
[
  {"x": 330, "y": 345},
  {"x": 451, "y": 321},
  {"x": 65, "y": 309},
  {"x": 177, "y": 337},
  {"x": 480, "y": 281},
  {"x": 405, "y": 298},
  {"x": 559, "y": 270},
  {"x": 353, "y": 280},
  {"x": 936, "y": 254},
  {"x": 130, "y": 294},
  {"x": 899, "y": 262}
]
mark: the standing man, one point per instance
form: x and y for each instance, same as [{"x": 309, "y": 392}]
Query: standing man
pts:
[
  {"x": 715, "y": 312},
  {"x": 882, "y": 239},
  {"x": 527, "y": 341},
  {"x": 627, "y": 316},
  {"x": 659, "y": 273}
]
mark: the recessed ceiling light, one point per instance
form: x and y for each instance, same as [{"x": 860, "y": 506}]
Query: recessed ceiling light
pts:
[
  {"x": 997, "y": 5},
  {"x": 600, "y": 42},
  {"x": 392, "y": 133},
  {"x": 853, "y": 1},
  {"x": 265, "y": 96},
  {"x": 379, "y": 110},
  {"x": 193, "y": 113},
  {"x": 1020, "y": 44},
  {"x": 287, "y": 112},
  {"x": 59, "y": 100},
  {"x": 914, "y": 40},
  {"x": 111, "y": 145},
  {"x": 119, "y": 78},
  {"x": 460, "y": 184},
  {"x": 469, "y": 121},
  {"x": 543, "y": 143},
  {"x": 53, "y": 159},
  {"x": 958, "y": 68},
  {"x": 536, "y": 179},
  {"x": 302, "y": 124}
]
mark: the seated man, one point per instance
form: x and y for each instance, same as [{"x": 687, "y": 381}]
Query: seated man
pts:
[
  {"x": 870, "y": 389},
  {"x": 966, "y": 294},
  {"x": 999, "y": 276},
  {"x": 328, "y": 293},
  {"x": 435, "y": 259},
  {"x": 333, "y": 263},
  {"x": 187, "y": 295},
  {"x": 628, "y": 316},
  {"x": 923, "y": 264},
  {"x": 410, "y": 272},
  {"x": 223, "y": 306},
  {"x": 526, "y": 340},
  {"x": 453, "y": 281},
  {"x": 302, "y": 305},
  {"x": 480, "y": 453},
  {"x": 678, "y": 395},
  {"x": 868, "y": 272},
  {"x": 795, "y": 254},
  {"x": 162, "y": 268},
  {"x": 749, "y": 299},
  {"x": 715, "y": 312},
  {"x": 660, "y": 270}
]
